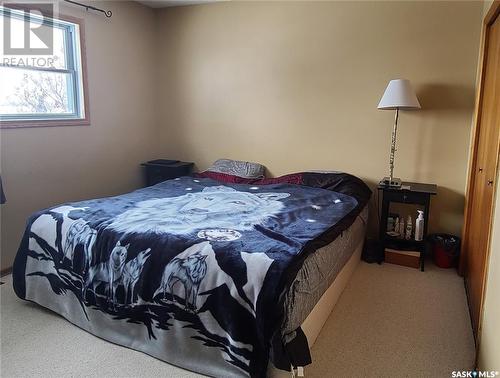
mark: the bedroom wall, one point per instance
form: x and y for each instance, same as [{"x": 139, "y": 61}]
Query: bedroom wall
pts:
[
  {"x": 45, "y": 166},
  {"x": 295, "y": 86}
]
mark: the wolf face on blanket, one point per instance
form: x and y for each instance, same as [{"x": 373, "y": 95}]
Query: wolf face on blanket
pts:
[{"x": 213, "y": 207}]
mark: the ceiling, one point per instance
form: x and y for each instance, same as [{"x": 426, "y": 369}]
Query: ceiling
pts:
[{"x": 173, "y": 3}]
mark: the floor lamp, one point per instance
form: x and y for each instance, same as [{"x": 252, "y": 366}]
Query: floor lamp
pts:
[{"x": 398, "y": 95}]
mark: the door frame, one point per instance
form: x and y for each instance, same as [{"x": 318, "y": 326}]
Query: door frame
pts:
[{"x": 489, "y": 19}]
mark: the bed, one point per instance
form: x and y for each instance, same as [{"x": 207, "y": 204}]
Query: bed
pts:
[{"x": 217, "y": 275}]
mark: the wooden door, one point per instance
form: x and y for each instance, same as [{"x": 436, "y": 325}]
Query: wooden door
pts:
[{"x": 483, "y": 171}]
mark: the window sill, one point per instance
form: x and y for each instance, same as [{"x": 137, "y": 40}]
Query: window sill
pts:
[{"x": 44, "y": 123}]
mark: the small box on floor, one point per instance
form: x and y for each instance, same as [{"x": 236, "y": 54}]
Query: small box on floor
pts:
[{"x": 405, "y": 258}]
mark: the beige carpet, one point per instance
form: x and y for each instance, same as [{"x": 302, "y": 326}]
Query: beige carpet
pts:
[{"x": 389, "y": 322}]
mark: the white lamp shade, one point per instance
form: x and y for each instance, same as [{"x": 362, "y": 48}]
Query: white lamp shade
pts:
[{"x": 399, "y": 95}]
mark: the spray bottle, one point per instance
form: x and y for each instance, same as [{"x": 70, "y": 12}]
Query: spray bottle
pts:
[{"x": 419, "y": 226}]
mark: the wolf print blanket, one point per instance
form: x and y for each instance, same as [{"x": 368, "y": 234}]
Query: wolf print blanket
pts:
[{"x": 191, "y": 271}]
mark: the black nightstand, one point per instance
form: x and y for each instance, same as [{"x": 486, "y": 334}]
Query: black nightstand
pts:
[
  {"x": 162, "y": 169},
  {"x": 410, "y": 193}
]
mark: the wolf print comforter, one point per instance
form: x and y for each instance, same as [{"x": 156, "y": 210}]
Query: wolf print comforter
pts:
[{"x": 191, "y": 271}]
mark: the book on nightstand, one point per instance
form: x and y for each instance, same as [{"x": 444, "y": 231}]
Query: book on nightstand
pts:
[{"x": 405, "y": 258}]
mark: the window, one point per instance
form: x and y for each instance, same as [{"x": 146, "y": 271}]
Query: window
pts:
[{"x": 41, "y": 75}]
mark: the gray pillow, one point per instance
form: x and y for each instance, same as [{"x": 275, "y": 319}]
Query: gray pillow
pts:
[{"x": 238, "y": 168}]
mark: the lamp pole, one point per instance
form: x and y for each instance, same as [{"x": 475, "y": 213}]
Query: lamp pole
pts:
[{"x": 393, "y": 145}]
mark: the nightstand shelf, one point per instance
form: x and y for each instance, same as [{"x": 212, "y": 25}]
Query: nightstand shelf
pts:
[
  {"x": 410, "y": 193},
  {"x": 403, "y": 244}
]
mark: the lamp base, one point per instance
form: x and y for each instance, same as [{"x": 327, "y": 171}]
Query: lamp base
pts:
[{"x": 394, "y": 183}]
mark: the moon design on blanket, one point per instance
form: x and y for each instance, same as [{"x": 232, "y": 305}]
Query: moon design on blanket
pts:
[
  {"x": 215, "y": 207},
  {"x": 219, "y": 234}
]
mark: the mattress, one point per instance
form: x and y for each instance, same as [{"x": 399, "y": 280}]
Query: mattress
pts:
[
  {"x": 319, "y": 284},
  {"x": 316, "y": 319},
  {"x": 318, "y": 272}
]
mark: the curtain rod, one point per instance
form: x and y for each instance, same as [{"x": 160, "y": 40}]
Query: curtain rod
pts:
[{"x": 87, "y": 7}]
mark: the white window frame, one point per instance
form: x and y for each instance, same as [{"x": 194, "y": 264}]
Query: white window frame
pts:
[{"x": 75, "y": 66}]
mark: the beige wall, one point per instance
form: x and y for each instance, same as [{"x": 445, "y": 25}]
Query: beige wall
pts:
[
  {"x": 45, "y": 166},
  {"x": 489, "y": 349},
  {"x": 295, "y": 86}
]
